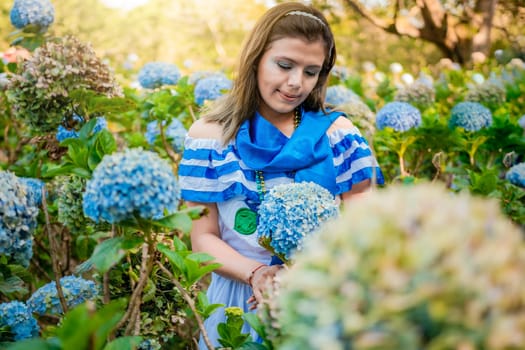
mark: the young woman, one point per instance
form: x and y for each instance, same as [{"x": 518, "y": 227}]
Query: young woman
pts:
[{"x": 272, "y": 128}]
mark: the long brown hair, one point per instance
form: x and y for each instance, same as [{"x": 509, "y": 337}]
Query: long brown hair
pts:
[{"x": 242, "y": 101}]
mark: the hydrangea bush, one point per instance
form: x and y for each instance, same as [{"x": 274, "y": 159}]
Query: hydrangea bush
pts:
[
  {"x": 33, "y": 190},
  {"x": 17, "y": 316},
  {"x": 516, "y": 175},
  {"x": 471, "y": 116},
  {"x": 17, "y": 219},
  {"x": 175, "y": 132},
  {"x": 490, "y": 93},
  {"x": 40, "y": 91},
  {"x": 156, "y": 74},
  {"x": 400, "y": 116},
  {"x": 69, "y": 190},
  {"x": 444, "y": 272},
  {"x": 76, "y": 291},
  {"x": 211, "y": 87},
  {"x": 418, "y": 94},
  {"x": 40, "y": 13},
  {"x": 340, "y": 95},
  {"x": 131, "y": 183},
  {"x": 64, "y": 133},
  {"x": 289, "y": 212}
]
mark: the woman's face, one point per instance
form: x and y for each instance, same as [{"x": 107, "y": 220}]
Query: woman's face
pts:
[{"x": 287, "y": 73}]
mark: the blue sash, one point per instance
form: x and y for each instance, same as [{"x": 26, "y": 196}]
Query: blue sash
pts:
[{"x": 307, "y": 153}]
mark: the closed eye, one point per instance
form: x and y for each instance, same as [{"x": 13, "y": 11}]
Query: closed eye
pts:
[
  {"x": 311, "y": 73},
  {"x": 284, "y": 65}
]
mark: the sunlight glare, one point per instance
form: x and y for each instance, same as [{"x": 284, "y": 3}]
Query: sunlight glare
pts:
[{"x": 124, "y": 4}]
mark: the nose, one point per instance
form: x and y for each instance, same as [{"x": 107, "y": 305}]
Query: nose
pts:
[{"x": 295, "y": 78}]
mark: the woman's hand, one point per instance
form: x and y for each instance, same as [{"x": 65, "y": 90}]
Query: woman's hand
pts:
[{"x": 260, "y": 280}]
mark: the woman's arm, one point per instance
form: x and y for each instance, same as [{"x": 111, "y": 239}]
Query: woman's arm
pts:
[
  {"x": 358, "y": 190},
  {"x": 205, "y": 237}
]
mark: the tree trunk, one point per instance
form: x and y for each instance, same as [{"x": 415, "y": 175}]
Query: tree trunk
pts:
[{"x": 456, "y": 36}]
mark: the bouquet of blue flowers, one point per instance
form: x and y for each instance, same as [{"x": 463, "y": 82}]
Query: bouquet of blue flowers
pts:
[{"x": 289, "y": 213}]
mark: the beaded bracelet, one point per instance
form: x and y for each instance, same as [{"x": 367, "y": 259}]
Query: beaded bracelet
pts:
[{"x": 253, "y": 273}]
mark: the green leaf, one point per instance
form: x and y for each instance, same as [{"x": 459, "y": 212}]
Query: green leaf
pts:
[
  {"x": 124, "y": 343},
  {"x": 33, "y": 344},
  {"x": 84, "y": 324},
  {"x": 179, "y": 220},
  {"x": 174, "y": 258},
  {"x": 109, "y": 252},
  {"x": 53, "y": 170},
  {"x": 196, "y": 212},
  {"x": 179, "y": 245},
  {"x": 82, "y": 172},
  {"x": 200, "y": 257},
  {"x": 12, "y": 284},
  {"x": 253, "y": 346},
  {"x": 105, "y": 143}
]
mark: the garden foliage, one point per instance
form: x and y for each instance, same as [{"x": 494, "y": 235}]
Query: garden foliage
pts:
[{"x": 94, "y": 237}]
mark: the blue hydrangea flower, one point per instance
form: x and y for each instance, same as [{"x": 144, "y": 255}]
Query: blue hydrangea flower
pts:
[
  {"x": 471, "y": 116},
  {"x": 76, "y": 291},
  {"x": 516, "y": 175},
  {"x": 18, "y": 317},
  {"x": 400, "y": 116},
  {"x": 155, "y": 74},
  {"x": 521, "y": 121},
  {"x": 17, "y": 219},
  {"x": 289, "y": 212},
  {"x": 196, "y": 76},
  {"x": 32, "y": 12},
  {"x": 129, "y": 183},
  {"x": 64, "y": 133},
  {"x": 175, "y": 132},
  {"x": 210, "y": 88},
  {"x": 34, "y": 190},
  {"x": 339, "y": 95}
]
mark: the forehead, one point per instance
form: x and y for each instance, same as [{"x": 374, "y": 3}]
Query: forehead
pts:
[{"x": 298, "y": 49}]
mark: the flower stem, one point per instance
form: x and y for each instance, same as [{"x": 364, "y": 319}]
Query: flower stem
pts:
[
  {"x": 54, "y": 254},
  {"x": 191, "y": 304}
]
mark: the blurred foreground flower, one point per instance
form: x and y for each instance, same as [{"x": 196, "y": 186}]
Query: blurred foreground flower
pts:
[
  {"x": 76, "y": 291},
  {"x": 400, "y": 116},
  {"x": 17, "y": 316},
  {"x": 516, "y": 175},
  {"x": 431, "y": 270},
  {"x": 129, "y": 184},
  {"x": 18, "y": 214},
  {"x": 289, "y": 212},
  {"x": 40, "y": 13},
  {"x": 211, "y": 88},
  {"x": 470, "y": 116},
  {"x": 156, "y": 74}
]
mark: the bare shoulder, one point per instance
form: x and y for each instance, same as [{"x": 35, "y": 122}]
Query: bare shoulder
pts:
[
  {"x": 341, "y": 123},
  {"x": 202, "y": 129}
]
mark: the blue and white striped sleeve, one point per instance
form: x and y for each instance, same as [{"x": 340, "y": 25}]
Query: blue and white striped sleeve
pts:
[
  {"x": 211, "y": 172},
  {"x": 353, "y": 159}
]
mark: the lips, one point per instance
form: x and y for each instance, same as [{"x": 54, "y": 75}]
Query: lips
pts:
[{"x": 289, "y": 97}]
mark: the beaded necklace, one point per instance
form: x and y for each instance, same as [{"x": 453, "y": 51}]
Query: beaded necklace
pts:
[{"x": 259, "y": 177}]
